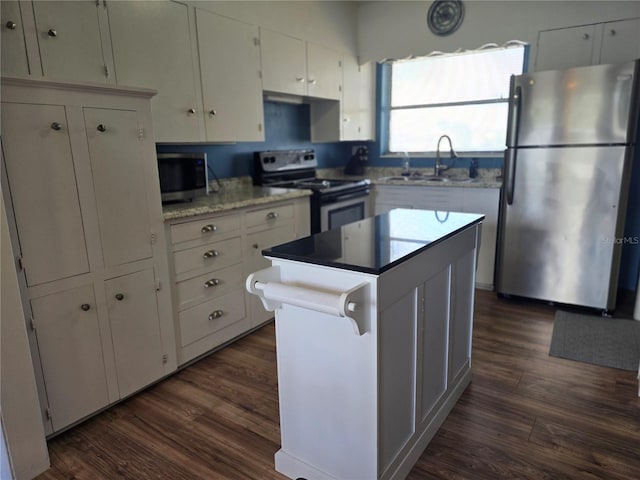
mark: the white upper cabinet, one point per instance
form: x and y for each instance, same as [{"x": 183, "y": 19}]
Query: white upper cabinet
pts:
[
  {"x": 71, "y": 41},
  {"x": 231, "y": 86},
  {"x": 620, "y": 41},
  {"x": 611, "y": 42},
  {"x": 296, "y": 67},
  {"x": 358, "y": 105},
  {"x": 42, "y": 178},
  {"x": 284, "y": 63},
  {"x": 565, "y": 48},
  {"x": 152, "y": 49},
  {"x": 324, "y": 72},
  {"x": 14, "y": 51}
]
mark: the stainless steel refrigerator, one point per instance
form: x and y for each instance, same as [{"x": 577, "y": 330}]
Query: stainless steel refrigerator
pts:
[{"x": 570, "y": 145}]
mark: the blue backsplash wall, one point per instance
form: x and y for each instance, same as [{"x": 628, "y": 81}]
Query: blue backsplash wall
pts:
[{"x": 287, "y": 126}]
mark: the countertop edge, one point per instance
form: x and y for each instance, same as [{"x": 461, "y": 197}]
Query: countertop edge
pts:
[{"x": 219, "y": 204}]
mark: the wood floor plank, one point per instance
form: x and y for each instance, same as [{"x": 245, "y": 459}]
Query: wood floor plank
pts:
[{"x": 526, "y": 415}]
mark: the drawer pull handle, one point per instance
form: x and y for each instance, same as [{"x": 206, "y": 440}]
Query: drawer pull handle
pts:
[
  {"x": 211, "y": 283},
  {"x": 86, "y": 307},
  {"x": 209, "y": 228},
  {"x": 119, "y": 296},
  {"x": 56, "y": 126},
  {"x": 272, "y": 215},
  {"x": 216, "y": 314},
  {"x": 210, "y": 253}
]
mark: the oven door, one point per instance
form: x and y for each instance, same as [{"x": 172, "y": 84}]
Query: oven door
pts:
[{"x": 348, "y": 209}]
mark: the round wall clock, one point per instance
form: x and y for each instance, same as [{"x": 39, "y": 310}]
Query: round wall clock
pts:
[{"x": 445, "y": 16}]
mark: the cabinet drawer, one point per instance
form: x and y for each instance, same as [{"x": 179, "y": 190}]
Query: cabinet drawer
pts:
[
  {"x": 199, "y": 321},
  {"x": 210, "y": 285},
  {"x": 270, "y": 238},
  {"x": 210, "y": 256},
  {"x": 206, "y": 230},
  {"x": 270, "y": 217}
]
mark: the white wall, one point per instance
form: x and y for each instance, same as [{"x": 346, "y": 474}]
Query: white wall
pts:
[
  {"x": 18, "y": 395},
  {"x": 397, "y": 29},
  {"x": 329, "y": 23}
]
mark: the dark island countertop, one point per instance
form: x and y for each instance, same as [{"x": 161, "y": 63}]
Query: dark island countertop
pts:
[{"x": 376, "y": 244}]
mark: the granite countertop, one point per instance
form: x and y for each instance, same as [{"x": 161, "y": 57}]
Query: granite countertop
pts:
[
  {"x": 233, "y": 193},
  {"x": 487, "y": 177},
  {"x": 376, "y": 244}
]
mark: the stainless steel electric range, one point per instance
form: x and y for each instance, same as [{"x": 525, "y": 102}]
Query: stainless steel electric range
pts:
[{"x": 333, "y": 203}]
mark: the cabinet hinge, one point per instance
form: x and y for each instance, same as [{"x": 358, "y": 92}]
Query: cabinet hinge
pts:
[
  {"x": 259, "y": 73},
  {"x": 20, "y": 262},
  {"x": 256, "y": 41},
  {"x": 154, "y": 238},
  {"x": 340, "y": 88},
  {"x": 340, "y": 63},
  {"x": 158, "y": 286},
  {"x": 106, "y": 70},
  {"x": 140, "y": 133},
  {"x": 47, "y": 413},
  {"x": 165, "y": 358},
  {"x": 32, "y": 324},
  {"x": 259, "y": 127}
]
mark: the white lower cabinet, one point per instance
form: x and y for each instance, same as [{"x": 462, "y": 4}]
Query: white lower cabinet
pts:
[
  {"x": 71, "y": 354},
  {"x": 211, "y": 256},
  {"x": 451, "y": 199}
]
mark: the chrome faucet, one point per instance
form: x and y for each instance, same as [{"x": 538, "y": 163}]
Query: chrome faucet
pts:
[{"x": 439, "y": 167}]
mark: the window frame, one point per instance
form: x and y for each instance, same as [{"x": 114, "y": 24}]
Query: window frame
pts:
[{"x": 386, "y": 109}]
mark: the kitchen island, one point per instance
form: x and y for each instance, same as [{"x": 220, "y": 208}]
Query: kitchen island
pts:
[{"x": 373, "y": 337}]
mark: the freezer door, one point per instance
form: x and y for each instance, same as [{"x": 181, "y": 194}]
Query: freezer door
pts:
[
  {"x": 579, "y": 106},
  {"x": 558, "y": 234}
]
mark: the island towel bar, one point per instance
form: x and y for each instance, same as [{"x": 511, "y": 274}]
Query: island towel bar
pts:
[{"x": 348, "y": 304}]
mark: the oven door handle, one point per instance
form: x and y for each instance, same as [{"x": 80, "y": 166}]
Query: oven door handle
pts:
[{"x": 337, "y": 197}]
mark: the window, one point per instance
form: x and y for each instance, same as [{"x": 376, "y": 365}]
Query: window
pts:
[{"x": 463, "y": 95}]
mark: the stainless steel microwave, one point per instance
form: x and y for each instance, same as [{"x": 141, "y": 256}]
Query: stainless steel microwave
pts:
[{"x": 183, "y": 176}]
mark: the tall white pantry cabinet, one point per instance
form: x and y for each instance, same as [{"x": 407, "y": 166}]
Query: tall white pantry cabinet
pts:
[{"x": 80, "y": 177}]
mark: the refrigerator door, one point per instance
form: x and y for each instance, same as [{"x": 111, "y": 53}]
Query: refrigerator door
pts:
[
  {"x": 558, "y": 238},
  {"x": 579, "y": 106}
]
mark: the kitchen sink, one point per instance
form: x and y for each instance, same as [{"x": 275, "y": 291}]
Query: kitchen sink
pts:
[{"x": 430, "y": 178}]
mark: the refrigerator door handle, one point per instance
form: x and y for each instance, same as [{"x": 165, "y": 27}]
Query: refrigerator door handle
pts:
[
  {"x": 513, "y": 122},
  {"x": 510, "y": 167}
]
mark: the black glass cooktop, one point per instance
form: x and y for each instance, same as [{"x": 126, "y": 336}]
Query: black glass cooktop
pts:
[{"x": 376, "y": 244}]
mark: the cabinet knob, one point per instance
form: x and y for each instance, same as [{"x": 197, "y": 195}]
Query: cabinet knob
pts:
[
  {"x": 300, "y": 79},
  {"x": 52, "y": 32},
  {"x": 191, "y": 111},
  {"x": 211, "y": 283},
  {"x": 56, "y": 126},
  {"x": 585, "y": 36},
  {"x": 101, "y": 128},
  {"x": 215, "y": 314},
  {"x": 212, "y": 112},
  {"x": 119, "y": 296},
  {"x": 612, "y": 32},
  {"x": 209, "y": 228},
  {"x": 272, "y": 215},
  {"x": 86, "y": 307},
  {"x": 312, "y": 81},
  {"x": 11, "y": 25},
  {"x": 256, "y": 246},
  {"x": 210, "y": 253}
]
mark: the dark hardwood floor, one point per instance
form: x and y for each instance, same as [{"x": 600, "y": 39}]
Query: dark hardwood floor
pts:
[{"x": 526, "y": 415}]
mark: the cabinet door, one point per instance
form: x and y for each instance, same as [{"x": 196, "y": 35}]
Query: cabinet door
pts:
[
  {"x": 70, "y": 40},
  {"x": 565, "y": 48},
  {"x": 71, "y": 354},
  {"x": 135, "y": 331},
  {"x": 43, "y": 187},
  {"x": 324, "y": 72},
  {"x": 231, "y": 86},
  {"x": 357, "y": 100},
  {"x": 117, "y": 158},
  {"x": 14, "y": 51},
  {"x": 152, "y": 49},
  {"x": 621, "y": 41},
  {"x": 284, "y": 68}
]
